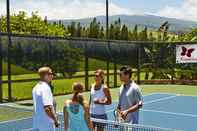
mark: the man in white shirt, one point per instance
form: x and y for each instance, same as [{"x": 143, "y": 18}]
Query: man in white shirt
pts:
[{"x": 44, "y": 118}]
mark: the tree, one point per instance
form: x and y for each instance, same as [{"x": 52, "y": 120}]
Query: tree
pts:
[
  {"x": 66, "y": 59},
  {"x": 124, "y": 33},
  {"x": 101, "y": 33},
  {"x": 111, "y": 32},
  {"x": 94, "y": 29},
  {"x": 84, "y": 32},
  {"x": 78, "y": 30},
  {"x": 34, "y": 24},
  {"x": 17, "y": 53},
  {"x": 135, "y": 33},
  {"x": 151, "y": 37},
  {"x": 45, "y": 20},
  {"x": 163, "y": 31},
  {"x": 117, "y": 28},
  {"x": 143, "y": 35},
  {"x": 72, "y": 29}
]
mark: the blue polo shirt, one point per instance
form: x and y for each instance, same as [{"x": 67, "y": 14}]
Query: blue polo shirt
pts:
[{"x": 135, "y": 97}]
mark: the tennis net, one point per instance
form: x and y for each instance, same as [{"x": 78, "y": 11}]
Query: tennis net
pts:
[{"x": 108, "y": 125}]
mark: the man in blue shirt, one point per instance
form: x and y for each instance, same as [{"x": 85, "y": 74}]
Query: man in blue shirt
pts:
[{"x": 130, "y": 98}]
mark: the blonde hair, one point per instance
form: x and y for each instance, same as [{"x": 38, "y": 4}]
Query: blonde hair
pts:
[
  {"x": 101, "y": 73},
  {"x": 43, "y": 70}
]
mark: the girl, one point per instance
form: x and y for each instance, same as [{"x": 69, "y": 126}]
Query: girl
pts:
[
  {"x": 76, "y": 111},
  {"x": 99, "y": 97}
]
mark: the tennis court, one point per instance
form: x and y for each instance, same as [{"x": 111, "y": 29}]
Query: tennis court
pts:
[
  {"x": 167, "y": 111},
  {"x": 159, "y": 110}
]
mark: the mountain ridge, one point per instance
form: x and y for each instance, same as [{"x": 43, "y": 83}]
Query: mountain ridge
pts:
[{"x": 151, "y": 21}]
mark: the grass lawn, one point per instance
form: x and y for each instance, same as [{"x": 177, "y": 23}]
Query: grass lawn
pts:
[
  {"x": 35, "y": 75},
  {"x": 15, "y": 69},
  {"x": 22, "y": 90},
  {"x": 22, "y": 73}
]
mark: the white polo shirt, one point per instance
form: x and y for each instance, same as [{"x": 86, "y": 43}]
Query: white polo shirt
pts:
[{"x": 42, "y": 96}]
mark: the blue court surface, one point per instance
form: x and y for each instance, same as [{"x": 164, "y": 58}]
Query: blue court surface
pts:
[
  {"x": 167, "y": 111},
  {"x": 159, "y": 109}
]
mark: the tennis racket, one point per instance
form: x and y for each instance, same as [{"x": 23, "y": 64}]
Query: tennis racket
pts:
[
  {"x": 119, "y": 119},
  {"x": 118, "y": 116}
]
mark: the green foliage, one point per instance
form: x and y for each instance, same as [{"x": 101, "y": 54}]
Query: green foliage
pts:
[
  {"x": 34, "y": 53},
  {"x": 111, "y": 32},
  {"x": 78, "y": 31},
  {"x": 190, "y": 36},
  {"x": 94, "y": 29},
  {"x": 124, "y": 33},
  {"x": 67, "y": 59},
  {"x": 151, "y": 37},
  {"x": 143, "y": 35},
  {"x": 135, "y": 33},
  {"x": 72, "y": 29},
  {"x": 21, "y": 23},
  {"x": 159, "y": 57}
]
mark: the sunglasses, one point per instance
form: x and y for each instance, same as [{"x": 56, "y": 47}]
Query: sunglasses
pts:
[
  {"x": 50, "y": 73},
  {"x": 97, "y": 75}
]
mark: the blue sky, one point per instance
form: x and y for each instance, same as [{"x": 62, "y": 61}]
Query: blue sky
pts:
[{"x": 74, "y": 9}]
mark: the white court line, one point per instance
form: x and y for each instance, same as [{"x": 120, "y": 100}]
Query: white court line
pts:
[
  {"x": 160, "y": 99},
  {"x": 170, "y": 113},
  {"x": 153, "y": 101},
  {"x": 164, "y": 93},
  {"x": 179, "y": 94},
  {"x": 143, "y": 96}
]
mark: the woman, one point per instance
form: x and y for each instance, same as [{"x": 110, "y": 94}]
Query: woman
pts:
[
  {"x": 76, "y": 111},
  {"x": 99, "y": 97}
]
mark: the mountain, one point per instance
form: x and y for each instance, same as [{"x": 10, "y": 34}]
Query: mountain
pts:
[{"x": 151, "y": 21}]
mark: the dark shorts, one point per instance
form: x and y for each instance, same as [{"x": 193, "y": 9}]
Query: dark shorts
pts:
[{"x": 103, "y": 116}]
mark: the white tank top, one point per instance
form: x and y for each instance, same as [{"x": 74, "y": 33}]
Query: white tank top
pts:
[{"x": 97, "y": 109}]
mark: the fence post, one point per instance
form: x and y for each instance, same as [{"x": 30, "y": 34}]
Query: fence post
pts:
[
  {"x": 107, "y": 36},
  {"x": 138, "y": 63},
  {"x": 1, "y": 71},
  {"x": 115, "y": 74},
  {"x": 108, "y": 72},
  {"x": 86, "y": 69},
  {"x": 9, "y": 47},
  {"x": 173, "y": 62}
]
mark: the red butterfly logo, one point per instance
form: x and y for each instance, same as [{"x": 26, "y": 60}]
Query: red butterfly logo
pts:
[{"x": 186, "y": 51}]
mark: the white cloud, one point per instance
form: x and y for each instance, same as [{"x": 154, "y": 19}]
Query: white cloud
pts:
[
  {"x": 2, "y": 8},
  {"x": 65, "y": 9},
  {"x": 187, "y": 11}
]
